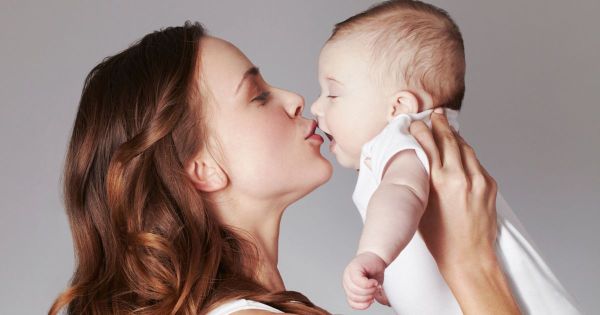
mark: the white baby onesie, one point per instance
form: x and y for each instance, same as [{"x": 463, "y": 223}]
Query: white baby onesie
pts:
[{"x": 412, "y": 282}]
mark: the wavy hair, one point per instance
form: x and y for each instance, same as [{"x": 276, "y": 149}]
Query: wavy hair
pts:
[{"x": 145, "y": 239}]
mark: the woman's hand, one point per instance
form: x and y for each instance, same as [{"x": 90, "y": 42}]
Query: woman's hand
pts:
[{"x": 459, "y": 225}]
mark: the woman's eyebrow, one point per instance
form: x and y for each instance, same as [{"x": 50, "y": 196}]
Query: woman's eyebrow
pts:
[{"x": 252, "y": 72}]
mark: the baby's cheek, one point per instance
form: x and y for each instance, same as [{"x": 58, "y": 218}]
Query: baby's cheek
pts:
[{"x": 351, "y": 143}]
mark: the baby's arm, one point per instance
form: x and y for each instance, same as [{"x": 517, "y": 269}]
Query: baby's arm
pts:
[
  {"x": 396, "y": 207},
  {"x": 393, "y": 216}
]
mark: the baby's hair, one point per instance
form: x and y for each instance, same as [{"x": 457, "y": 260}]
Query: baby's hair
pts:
[{"x": 414, "y": 44}]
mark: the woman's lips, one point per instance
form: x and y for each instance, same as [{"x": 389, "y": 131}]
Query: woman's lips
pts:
[
  {"x": 316, "y": 137},
  {"x": 331, "y": 140},
  {"x": 311, "y": 135},
  {"x": 311, "y": 129}
]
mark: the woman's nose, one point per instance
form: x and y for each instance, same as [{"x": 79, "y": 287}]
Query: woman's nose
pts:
[{"x": 294, "y": 104}]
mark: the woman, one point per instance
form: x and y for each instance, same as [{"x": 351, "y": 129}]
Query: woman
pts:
[{"x": 181, "y": 162}]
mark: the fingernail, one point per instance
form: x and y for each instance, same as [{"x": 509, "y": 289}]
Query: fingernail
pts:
[{"x": 438, "y": 110}]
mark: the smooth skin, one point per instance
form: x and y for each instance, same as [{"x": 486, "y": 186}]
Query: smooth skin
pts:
[
  {"x": 353, "y": 108},
  {"x": 461, "y": 216},
  {"x": 459, "y": 225},
  {"x": 255, "y": 128}
]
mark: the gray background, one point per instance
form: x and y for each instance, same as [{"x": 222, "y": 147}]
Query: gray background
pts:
[{"x": 531, "y": 111}]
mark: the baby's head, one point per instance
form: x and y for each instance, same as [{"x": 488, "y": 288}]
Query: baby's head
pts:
[{"x": 396, "y": 57}]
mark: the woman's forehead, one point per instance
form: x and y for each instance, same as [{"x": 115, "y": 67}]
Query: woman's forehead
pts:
[{"x": 222, "y": 66}]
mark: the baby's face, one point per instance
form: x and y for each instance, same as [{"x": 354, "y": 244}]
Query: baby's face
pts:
[{"x": 351, "y": 107}]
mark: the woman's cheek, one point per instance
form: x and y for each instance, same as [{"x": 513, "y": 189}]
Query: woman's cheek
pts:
[{"x": 271, "y": 142}]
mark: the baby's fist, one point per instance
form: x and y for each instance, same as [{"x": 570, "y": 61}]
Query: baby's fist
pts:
[{"x": 362, "y": 279}]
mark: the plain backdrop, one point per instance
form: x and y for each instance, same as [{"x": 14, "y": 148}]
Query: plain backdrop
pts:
[{"x": 531, "y": 112}]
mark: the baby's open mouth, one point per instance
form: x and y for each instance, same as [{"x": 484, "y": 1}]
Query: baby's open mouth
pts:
[
  {"x": 330, "y": 137},
  {"x": 331, "y": 140}
]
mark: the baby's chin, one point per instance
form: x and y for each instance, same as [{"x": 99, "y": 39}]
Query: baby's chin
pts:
[{"x": 347, "y": 161}]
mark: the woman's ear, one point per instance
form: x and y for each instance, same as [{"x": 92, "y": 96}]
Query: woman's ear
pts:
[
  {"x": 206, "y": 174},
  {"x": 404, "y": 102}
]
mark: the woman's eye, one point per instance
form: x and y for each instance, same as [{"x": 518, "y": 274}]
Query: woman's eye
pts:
[{"x": 262, "y": 97}]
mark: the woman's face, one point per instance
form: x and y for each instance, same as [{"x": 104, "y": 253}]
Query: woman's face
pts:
[{"x": 263, "y": 144}]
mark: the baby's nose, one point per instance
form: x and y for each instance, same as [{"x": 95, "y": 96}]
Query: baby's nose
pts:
[{"x": 315, "y": 109}]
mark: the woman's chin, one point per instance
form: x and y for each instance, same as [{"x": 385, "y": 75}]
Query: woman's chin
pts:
[
  {"x": 318, "y": 175},
  {"x": 327, "y": 172}
]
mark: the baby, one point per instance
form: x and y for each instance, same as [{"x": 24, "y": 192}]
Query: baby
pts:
[{"x": 380, "y": 70}]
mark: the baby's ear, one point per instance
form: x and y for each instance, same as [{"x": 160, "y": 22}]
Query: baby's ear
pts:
[{"x": 404, "y": 102}]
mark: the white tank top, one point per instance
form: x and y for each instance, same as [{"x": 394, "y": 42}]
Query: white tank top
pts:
[{"x": 240, "y": 305}]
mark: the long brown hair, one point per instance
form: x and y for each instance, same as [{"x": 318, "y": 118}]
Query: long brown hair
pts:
[{"x": 145, "y": 239}]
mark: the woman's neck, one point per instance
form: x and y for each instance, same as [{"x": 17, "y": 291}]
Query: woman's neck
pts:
[
  {"x": 261, "y": 221},
  {"x": 265, "y": 235}
]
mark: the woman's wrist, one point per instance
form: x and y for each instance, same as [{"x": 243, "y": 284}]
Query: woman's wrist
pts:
[
  {"x": 457, "y": 272},
  {"x": 480, "y": 286},
  {"x": 456, "y": 264}
]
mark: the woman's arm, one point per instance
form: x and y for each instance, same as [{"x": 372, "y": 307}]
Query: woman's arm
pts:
[{"x": 459, "y": 225}]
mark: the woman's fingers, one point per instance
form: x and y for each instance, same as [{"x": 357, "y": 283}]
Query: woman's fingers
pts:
[
  {"x": 419, "y": 130},
  {"x": 469, "y": 159},
  {"x": 446, "y": 141},
  {"x": 479, "y": 177}
]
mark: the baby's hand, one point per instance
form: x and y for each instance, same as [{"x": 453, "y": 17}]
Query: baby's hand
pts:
[{"x": 362, "y": 279}]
